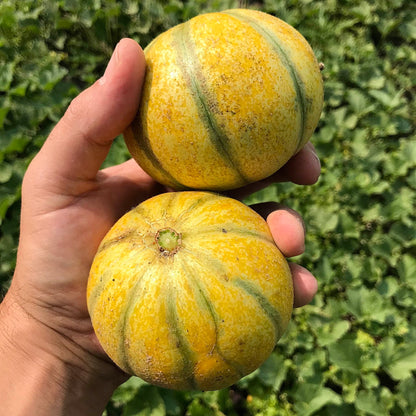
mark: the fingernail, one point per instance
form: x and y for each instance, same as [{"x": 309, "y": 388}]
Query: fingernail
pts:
[
  {"x": 318, "y": 161},
  {"x": 311, "y": 148},
  {"x": 312, "y": 151},
  {"x": 112, "y": 64}
]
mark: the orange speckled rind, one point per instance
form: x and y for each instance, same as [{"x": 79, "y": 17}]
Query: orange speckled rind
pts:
[
  {"x": 202, "y": 318},
  {"x": 228, "y": 98}
]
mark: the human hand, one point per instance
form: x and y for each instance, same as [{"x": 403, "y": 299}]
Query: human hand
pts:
[{"x": 68, "y": 205}]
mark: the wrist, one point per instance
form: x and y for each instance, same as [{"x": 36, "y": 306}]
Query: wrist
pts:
[{"x": 43, "y": 373}]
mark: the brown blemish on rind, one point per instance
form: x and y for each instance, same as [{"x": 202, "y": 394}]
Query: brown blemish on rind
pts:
[{"x": 118, "y": 239}]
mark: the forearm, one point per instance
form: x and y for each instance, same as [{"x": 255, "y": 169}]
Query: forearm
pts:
[{"x": 36, "y": 380}]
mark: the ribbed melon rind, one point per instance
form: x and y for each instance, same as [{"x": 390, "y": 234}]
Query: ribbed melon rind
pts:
[
  {"x": 203, "y": 317},
  {"x": 228, "y": 98}
]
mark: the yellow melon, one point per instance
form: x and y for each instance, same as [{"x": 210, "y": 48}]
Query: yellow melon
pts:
[
  {"x": 228, "y": 99},
  {"x": 189, "y": 291}
]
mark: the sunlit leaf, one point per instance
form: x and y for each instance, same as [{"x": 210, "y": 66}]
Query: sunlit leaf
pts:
[
  {"x": 369, "y": 403},
  {"x": 6, "y": 75},
  {"x": 398, "y": 360},
  {"x": 406, "y": 268},
  {"x": 332, "y": 332},
  {"x": 147, "y": 402},
  {"x": 346, "y": 355}
]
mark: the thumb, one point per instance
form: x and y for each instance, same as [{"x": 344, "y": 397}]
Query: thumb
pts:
[{"x": 77, "y": 146}]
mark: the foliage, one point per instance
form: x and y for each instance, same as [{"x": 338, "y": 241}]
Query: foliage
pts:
[{"x": 351, "y": 352}]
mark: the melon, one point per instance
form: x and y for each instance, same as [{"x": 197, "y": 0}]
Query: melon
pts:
[
  {"x": 228, "y": 99},
  {"x": 189, "y": 292}
]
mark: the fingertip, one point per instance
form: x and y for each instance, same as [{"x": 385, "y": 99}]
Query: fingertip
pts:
[
  {"x": 124, "y": 49},
  {"x": 124, "y": 77},
  {"x": 304, "y": 168},
  {"x": 305, "y": 285},
  {"x": 314, "y": 163},
  {"x": 288, "y": 231}
]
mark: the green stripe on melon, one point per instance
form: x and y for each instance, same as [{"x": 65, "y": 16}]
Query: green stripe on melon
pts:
[
  {"x": 228, "y": 98},
  {"x": 207, "y": 260},
  {"x": 130, "y": 304},
  {"x": 206, "y": 104},
  {"x": 145, "y": 145},
  {"x": 204, "y": 302},
  {"x": 179, "y": 334},
  {"x": 271, "y": 312},
  {"x": 275, "y": 44}
]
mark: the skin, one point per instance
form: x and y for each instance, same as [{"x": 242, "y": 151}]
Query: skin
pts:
[{"x": 51, "y": 361}]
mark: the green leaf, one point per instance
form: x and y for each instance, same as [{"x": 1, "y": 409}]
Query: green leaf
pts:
[
  {"x": 50, "y": 76},
  {"x": 346, "y": 355},
  {"x": 147, "y": 402},
  {"x": 404, "y": 234},
  {"x": 6, "y": 75},
  {"x": 407, "y": 400},
  {"x": 128, "y": 389},
  {"x": 408, "y": 30},
  {"x": 174, "y": 402},
  {"x": 387, "y": 98},
  {"x": 6, "y": 171},
  {"x": 273, "y": 371},
  {"x": 363, "y": 12},
  {"x": 367, "y": 305},
  {"x": 5, "y": 107},
  {"x": 20, "y": 89},
  {"x": 309, "y": 364},
  {"x": 5, "y": 203},
  {"x": 408, "y": 152},
  {"x": 405, "y": 297},
  {"x": 358, "y": 101},
  {"x": 406, "y": 268},
  {"x": 341, "y": 410},
  {"x": 388, "y": 287},
  {"x": 411, "y": 179},
  {"x": 198, "y": 408},
  {"x": 398, "y": 360},
  {"x": 323, "y": 219},
  {"x": 370, "y": 380},
  {"x": 369, "y": 403},
  {"x": 311, "y": 397},
  {"x": 402, "y": 205},
  {"x": 384, "y": 247},
  {"x": 331, "y": 332}
]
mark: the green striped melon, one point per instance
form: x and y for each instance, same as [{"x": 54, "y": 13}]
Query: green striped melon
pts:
[
  {"x": 228, "y": 99},
  {"x": 189, "y": 291}
]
